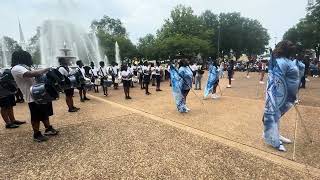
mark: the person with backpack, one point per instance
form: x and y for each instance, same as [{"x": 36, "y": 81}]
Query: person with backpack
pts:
[{"x": 64, "y": 70}]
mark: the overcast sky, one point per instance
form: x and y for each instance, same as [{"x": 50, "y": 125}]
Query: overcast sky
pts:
[{"x": 141, "y": 17}]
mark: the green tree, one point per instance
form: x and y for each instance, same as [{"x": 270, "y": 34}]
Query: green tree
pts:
[
  {"x": 147, "y": 47},
  {"x": 307, "y": 31},
  {"x": 109, "y": 31}
]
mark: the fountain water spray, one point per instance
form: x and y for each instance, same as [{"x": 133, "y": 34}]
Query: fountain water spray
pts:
[
  {"x": 117, "y": 49},
  {"x": 4, "y": 51},
  {"x": 53, "y": 33}
]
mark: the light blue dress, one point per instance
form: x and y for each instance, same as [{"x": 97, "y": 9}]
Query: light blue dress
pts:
[
  {"x": 213, "y": 77},
  {"x": 282, "y": 88},
  {"x": 180, "y": 81}
]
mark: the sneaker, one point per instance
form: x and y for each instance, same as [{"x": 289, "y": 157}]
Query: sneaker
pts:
[
  {"x": 229, "y": 86},
  {"x": 282, "y": 148},
  {"x": 38, "y": 137},
  {"x": 148, "y": 93},
  {"x": 18, "y": 122},
  {"x": 12, "y": 126},
  {"x": 261, "y": 82},
  {"x": 232, "y": 79},
  {"x": 248, "y": 77},
  {"x": 188, "y": 109},
  {"x": 51, "y": 132},
  {"x": 215, "y": 96},
  {"x": 285, "y": 140},
  {"x": 129, "y": 97},
  {"x": 87, "y": 99},
  {"x": 81, "y": 100}
]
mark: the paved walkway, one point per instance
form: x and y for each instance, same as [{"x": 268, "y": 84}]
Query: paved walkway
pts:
[{"x": 111, "y": 138}]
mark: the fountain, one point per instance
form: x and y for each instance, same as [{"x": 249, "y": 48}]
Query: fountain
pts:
[
  {"x": 66, "y": 53},
  {"x": 118, "y": 59},
  {"x": 54, "y": 33}
]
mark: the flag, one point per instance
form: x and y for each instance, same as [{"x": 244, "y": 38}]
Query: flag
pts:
[
  {"x": 213, "y": 77},
  {"x": 176, "y": 82}
]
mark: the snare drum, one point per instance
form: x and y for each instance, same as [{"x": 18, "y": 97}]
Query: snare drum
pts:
[
  {"x": 106, "y": 83},
  {"x": 97, "y": 82}
]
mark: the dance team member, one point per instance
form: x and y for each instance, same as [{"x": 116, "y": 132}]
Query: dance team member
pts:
[
  {"x": 64, "y": 70},
  {"x": 82, "y": 89},
  {"x": 24, "y": 77},
  {"x": 283, "y": 84},
  {"x": 213, "y": 80},
  {"x": 186, "y": 80}
]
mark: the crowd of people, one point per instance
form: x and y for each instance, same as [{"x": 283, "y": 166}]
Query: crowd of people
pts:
[{"x": 284, "y": 64}]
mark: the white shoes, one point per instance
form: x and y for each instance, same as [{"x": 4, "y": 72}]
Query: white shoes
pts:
[
  {"x": 248, "y": 77},
  {"x": 232, "y": 79},
  {"x": 285, "y": 140},
  {"x": 282, "y": 148},
  {"x": 188, "y": 109},
  {"x": 229, "y": 86},
  {"x": 261, "y": 82},
  {"x": 215, "y": 96}
]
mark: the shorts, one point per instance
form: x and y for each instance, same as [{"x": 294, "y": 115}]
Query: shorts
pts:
[
  {"x": 81, "y": 87},
  {"x": 69, "y": 92},
  {"x": 8, "y": 102},
  {"x": 146, "y": 79},
  {"x": 126, "y": 83},
  {"x": 40, "y": 112}
]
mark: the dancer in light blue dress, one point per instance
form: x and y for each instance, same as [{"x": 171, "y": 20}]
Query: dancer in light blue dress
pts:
[
  {"x": 181, "y": 81},
  {"x": 213, "y": 80},
  {"x": 281, "y": 94}
]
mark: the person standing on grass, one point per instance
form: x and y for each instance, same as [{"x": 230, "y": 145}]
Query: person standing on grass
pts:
[
  {"x": 82, "y": 89},
  {"x": 64, "y": 70},
  {"x": 25, "y": 78}
]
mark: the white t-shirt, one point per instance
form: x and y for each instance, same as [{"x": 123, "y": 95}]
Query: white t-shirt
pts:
[
  {"x": 115, "y": 70},
  {"x": 125, "y": 75},
  {"x": 93, "y": 72},
  {"x": 153, "y": 70},
  {"x": 194, "y": 67},
  {"x": 146, "y": 70},
  {"x": 82, "y": 71},
  {"x": 102, "y": 72},
  {"x": 63, "y": 71},
  {"x": 158, "y": 69},
  {"x": 23, "y": 83}
]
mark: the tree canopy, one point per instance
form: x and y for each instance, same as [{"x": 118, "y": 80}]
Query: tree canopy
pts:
[
  {"x": 307, "y": 31},
  {"x": 189, "y": 34}
]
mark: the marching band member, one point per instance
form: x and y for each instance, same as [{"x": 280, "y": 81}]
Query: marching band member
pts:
[
  {"x": 6, "y": 104},
  {"x": 94, "y": 77},
  {"x": 140, "y": 75},
  {"x": 153, "y": 74},
  {"x": 146, "y": 70},
  {"x": 115, "y": 75},
  {"x": 283, "y": 84},
  {"x": 24, "y": 77},
  {"x": 103, "y": 75},
  {"x": 82, "y": 89},
  {"x": 158, "y": 70},
  {"x": 230, "y": 70},
  {"x": 126, "y": 76},
  {"x": 64, "y": 70}
]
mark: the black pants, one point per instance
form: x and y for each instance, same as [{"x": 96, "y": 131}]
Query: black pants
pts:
[
  {"x": 158, "y": 78},
  {"x": 303, "y": 82}
]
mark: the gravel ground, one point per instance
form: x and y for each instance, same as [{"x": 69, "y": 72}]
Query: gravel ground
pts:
[
  {"x": 130, "y": 148},
  {"x": 106, "y": 142}
]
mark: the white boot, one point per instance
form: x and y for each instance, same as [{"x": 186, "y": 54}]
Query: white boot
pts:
[{"x": 285, "y": 140}]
